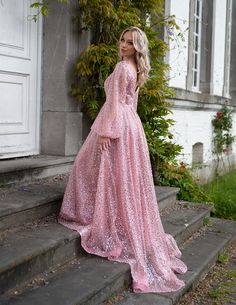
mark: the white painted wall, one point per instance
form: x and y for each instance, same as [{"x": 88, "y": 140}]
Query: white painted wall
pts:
[
  {"x": 192, "y": 125},
  {"x": 178, "y": 54},
  {"x": 195, "y": 126},
  {"x": 218, "y": 47}
]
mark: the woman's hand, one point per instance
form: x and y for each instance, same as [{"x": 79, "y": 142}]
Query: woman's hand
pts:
[{"x": 104, "y": 143}]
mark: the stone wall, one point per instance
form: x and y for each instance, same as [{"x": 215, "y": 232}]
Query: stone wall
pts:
[{"x": 62, "y": 128}]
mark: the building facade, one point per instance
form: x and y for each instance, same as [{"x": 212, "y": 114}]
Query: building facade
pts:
[{"x": 202, "y": 72}]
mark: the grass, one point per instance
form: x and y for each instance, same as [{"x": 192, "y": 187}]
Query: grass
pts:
[
  {"x": 206, "y": 221},
  {"x": 223, "y": 258},
  {"x": 222, "y": 192}
]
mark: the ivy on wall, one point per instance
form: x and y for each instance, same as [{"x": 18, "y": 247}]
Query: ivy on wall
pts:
[
  {"x": 222, "y": 123},
  {"x": 222, "y": 126},
  {"x": 42, "y": 8}
]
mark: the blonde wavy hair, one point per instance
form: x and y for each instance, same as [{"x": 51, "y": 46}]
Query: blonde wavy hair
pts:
[{"x": 140, "y": 42}]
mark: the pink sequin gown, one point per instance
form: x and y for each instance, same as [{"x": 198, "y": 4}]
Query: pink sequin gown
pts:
[{"x": 110, "y": 197}]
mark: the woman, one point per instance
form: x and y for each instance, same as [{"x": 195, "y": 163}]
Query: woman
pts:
[{"x": 110, "y": 197}]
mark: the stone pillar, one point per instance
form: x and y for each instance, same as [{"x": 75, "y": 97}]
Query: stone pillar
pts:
[{"x": 61, "y": 127}]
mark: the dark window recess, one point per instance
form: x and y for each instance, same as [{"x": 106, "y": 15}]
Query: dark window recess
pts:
[{"x": 206, "y": 47}]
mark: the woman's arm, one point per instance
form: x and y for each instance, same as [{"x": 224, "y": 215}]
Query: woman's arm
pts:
[{"x": 108, "y": 123}]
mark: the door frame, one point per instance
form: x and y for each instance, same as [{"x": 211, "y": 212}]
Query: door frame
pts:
[{"x": 38, "y": 85}]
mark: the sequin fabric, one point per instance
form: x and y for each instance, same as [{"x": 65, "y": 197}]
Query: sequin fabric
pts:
[{"x": 110, "y": 197}]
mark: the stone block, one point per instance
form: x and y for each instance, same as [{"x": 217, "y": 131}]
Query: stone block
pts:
[
  {"x": 53, "y": 133},
  {"x": 73, "y": 134},
  {"x": 61, "y": 133}
]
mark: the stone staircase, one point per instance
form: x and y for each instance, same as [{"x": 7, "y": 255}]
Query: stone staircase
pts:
[
  {"x": 32, "y": 168},
  {"x": 42, "y": 262}
]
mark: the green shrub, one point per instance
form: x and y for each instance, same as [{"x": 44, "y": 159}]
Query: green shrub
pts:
[{"x": 179, "y": 175}]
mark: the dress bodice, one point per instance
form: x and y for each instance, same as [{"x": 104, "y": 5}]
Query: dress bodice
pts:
[
  {"x": 121, "y": 101},
  {"x": 126, "y": 78}
]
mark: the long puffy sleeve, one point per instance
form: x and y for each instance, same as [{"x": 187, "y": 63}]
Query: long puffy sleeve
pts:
[{"x": 108, "y": 122}]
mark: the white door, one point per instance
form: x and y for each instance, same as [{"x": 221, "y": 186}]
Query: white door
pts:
[{"x": 20, "y": 63}]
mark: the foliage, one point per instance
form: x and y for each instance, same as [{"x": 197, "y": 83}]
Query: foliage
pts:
[
  {"x": 106, "y": 20},
  {"x": 42, "y": 8},
  {"x": 206, "y": 221},
  {"x": 222, "y": 125},
  {"x": 179, "y": 175},
  {"x": 222, "y": 191},
  {"x": 223, "y": 258}
]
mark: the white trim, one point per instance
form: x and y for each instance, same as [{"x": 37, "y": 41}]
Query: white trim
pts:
[
  {"x": 213, "y": 48},
  {"x": 196, "y": 50},
  {"x": 39, "y": 85},
  {"x": 32, "y": 89},
  {"x": 227, "y": 49},
  {"x": 195, "y": 106}
]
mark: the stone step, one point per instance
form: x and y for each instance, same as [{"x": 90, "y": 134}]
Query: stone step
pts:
[
  {"x": 92, "y": 280},
  {"x": 25, "y": 203},
  {"x": 43, "y": 197},
  {"x": 32, "y": 168},
  {"x": 186, "y": 219},
  {"x": 28, "y": 169},
  {"x": 88, "y": 281},
  {"x": 25, "y": 253},
  {"x": 166, "y": 196},
  {"x": 200, "y": 255},
  {"x": 34, "y": 249}
]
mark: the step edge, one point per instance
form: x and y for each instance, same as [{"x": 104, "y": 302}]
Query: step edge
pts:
[
  {"x": 108, "y": 283},
  {"x": 40, "y": 202},
  {"x": 73, "y": 236},
  {"x": 49, "y": 163},
  {"x": 36, "y": 203},
  {"x": 166, "y": 195},
  {"x": 124, "y": 270},
  {"x": 197, "y": 218}
]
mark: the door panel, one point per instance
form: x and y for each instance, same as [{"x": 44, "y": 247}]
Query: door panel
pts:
[{"x": 20, "y": 57}]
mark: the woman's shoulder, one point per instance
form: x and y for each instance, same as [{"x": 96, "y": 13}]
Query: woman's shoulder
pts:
[
  {"x": 121, "y": 65},
  {"x": 120, "y": 70},
  {"x": 124, "y": 66}
]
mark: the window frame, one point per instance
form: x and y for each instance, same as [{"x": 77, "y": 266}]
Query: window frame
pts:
[{"x": 196, "y": 50}]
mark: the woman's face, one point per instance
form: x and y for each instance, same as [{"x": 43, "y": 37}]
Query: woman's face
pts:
[{"x": 126, "y": 46}]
